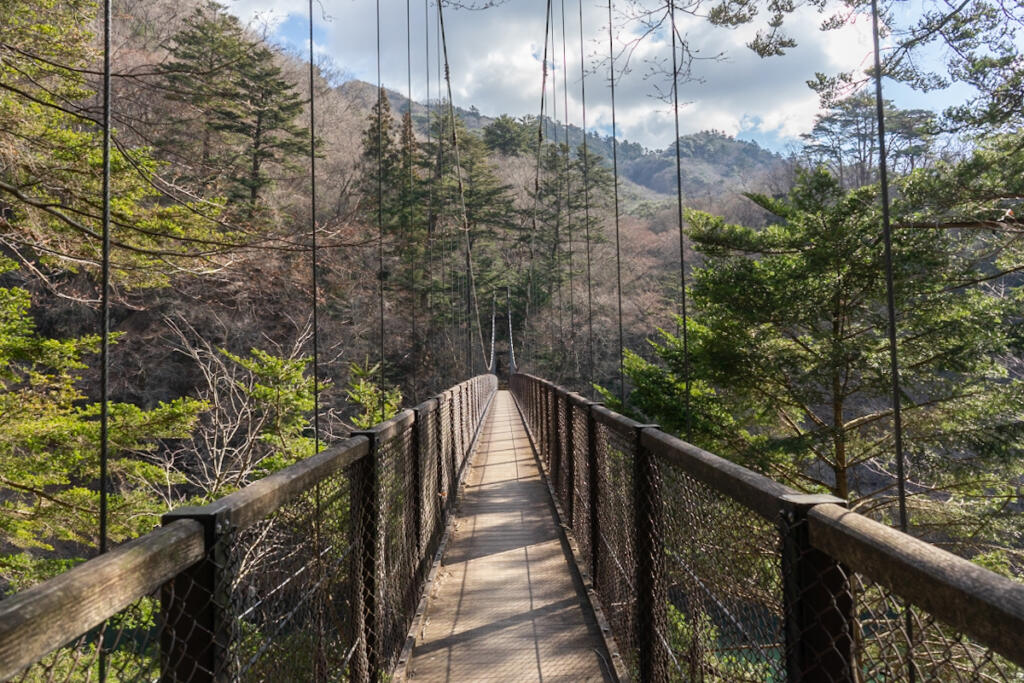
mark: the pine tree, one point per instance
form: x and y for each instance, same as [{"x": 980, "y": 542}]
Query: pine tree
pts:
[
  {"x": 203, "y": 58},
  {"x": 246, "y": 108},
  {"x": 789, "y": 330}
]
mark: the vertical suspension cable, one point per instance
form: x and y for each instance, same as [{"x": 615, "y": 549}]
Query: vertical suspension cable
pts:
[
  {"x": 536, "y": 179},
  {"x": 558, "y": 198},
  {"x": 319, "y": 664},
  {"x": 568, "y": 197},
  {"x": 890, "y": 289},
  {"x": 890, "y": 301},
  {"x": 380, "y": 215},
  {"x": 105, "y": 313},
  {"x": 682, "y": 237},
  {"x": 615, "y": 175},
  {"x": 315, "y": 278},
  {"x": 586, "y": 205},
  {"x": 408, "y": 199},
  {"x": 105, "y": 287}
]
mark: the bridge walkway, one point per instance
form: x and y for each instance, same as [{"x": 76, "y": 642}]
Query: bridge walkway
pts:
[{"x": 505, "y": 605}]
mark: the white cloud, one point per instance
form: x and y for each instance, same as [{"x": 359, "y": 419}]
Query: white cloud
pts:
[{"x": 496, "y": 65}]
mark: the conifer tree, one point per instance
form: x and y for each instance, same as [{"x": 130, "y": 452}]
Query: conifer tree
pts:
[{"x": 247, "y": 110}]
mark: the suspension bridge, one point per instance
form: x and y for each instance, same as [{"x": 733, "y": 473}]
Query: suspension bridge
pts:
[
  {"x": 509, "y": 529},
  {"x": 517, "y": 535}
]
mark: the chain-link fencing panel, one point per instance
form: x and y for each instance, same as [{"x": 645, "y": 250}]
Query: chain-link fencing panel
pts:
[
  {"x": 615, "y": 578},
  {"x": 896, "y": 641},
  {"x": 723, "y": 587},
  {"x": 400, "y": 589},
  {"x": 560, "y": 458},
  {"x": 843, "y": 625},
  {"x": 130, "y": 644},
  {"x": 431, "y": 479},
  {"x": 581, "y": 480}
]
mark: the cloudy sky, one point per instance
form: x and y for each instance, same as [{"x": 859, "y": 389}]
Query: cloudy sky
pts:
[{"x": 496, "y": 58}]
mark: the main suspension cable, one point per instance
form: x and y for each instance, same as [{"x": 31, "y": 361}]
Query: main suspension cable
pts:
[
  {"x": 682, "y": 237},
  {"x": 471, "y": 297},
  {"x": 615, "y": 174}
]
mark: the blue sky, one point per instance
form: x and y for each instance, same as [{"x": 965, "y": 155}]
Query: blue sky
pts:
[{"x": 496, "y": 64}]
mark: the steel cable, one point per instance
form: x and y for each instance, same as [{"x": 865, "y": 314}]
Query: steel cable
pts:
[
  {"x": 586, "y": 204},
  {"x": 682, "y": 237},
  {"x": 615, "y": 176}
]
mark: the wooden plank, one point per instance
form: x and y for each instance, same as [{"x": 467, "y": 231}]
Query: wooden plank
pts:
[
  {"x": 504, "y": 606},
  {"x": 39, "y": 620},
  {"x": 967, "y": 597}
]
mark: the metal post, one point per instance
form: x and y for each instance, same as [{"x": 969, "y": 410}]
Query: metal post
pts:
[
  {"x": 195, "y": 644},
  {"x": 652, "y": 594},
  {"x": 453, "y": 474},
  {"x": 555, "y": 464},
  {"x": 594, "y": 487},
  {"x": 570, "y": 462},
  {"x": 817, "y": 600},
  {"x": 416, "y": 478}
]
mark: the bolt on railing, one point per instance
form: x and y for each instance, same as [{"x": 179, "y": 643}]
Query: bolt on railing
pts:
[{"x": 708, "y": 571}]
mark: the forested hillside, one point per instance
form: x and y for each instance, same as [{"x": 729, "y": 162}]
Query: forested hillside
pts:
[{"x": 425, "y": 223}]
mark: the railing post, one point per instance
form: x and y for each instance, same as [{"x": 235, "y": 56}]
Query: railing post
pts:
[
  {"x": 570, "y": 462},
  {"x": 652, "y": 594},
  {"x": 594, "y": 488},
  {"x": 555, "y": 464},
  {"x": 817, "y": 600},
  {"x": 367, "y": 561},
  {"x": 417, "y": 479},
  {"x": 195, "y": 644},
  {"x": 439, "y": 441},
  {"x": 453, "y": 474}
]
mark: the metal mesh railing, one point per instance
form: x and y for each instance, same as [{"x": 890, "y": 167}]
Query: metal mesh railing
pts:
[
  {"x": 707, "y": 571},
  {"x": 724, "y": 611},
  {"x": 131, "y": 644},
  {"x": 312, "y": 574}
]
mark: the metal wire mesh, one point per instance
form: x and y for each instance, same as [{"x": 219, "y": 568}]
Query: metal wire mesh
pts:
[
  {"x": 699, "y": 583},
  {"x": 892, "y": 638},
  {"x": 322, "y": 584},
  {"x": 430, "y": 481},
  {"x": 400, "y": 589},
  {"x": 288, "y": 586},
  {"x": 879, "y": 635},
  {"x": 581, "y": 481},
  {"x": 616, "y": 564},
  {"x": 724, "y": 588},
  {"x": 131, "y": 647}
]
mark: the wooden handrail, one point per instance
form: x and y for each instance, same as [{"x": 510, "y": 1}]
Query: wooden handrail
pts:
[
  {"x": 971, "y": 599},
  {"x": 42, "y": 618}
]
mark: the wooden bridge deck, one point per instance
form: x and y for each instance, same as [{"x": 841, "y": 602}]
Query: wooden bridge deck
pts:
[{"x": 505, "y": 605}]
